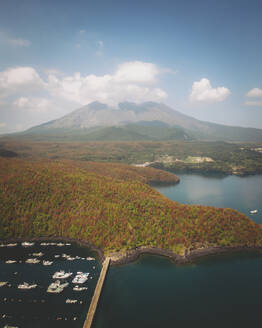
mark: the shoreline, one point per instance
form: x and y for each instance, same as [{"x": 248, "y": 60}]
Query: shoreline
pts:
[{"x": 129, "y": 256}]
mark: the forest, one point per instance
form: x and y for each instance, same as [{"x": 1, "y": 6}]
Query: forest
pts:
[
  {"x": 226, "y": 158},
  {"x": 110, "y": 206}
]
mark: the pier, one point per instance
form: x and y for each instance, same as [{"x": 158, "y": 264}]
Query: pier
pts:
[{"x": 95, "y": 298}]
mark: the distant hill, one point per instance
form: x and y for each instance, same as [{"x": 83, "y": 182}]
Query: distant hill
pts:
[{"x": 130, "y": 121}]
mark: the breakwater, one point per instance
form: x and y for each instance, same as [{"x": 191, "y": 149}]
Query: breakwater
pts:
[{"x": 97, "y": 292}]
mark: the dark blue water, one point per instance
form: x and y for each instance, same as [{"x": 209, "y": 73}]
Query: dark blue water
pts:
[
  {"x": 222, "y": 291},
  {"x": 37, "y": 308},
  {"x": 240, "y": 193}
]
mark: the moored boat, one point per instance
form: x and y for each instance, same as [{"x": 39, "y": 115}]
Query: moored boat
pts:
[
  {"x": 10, "y": 261},
  {"x": 47, "y": 262},
  {"x": 27, "y": 244},
  {"x": 25, "y": 285},
  {"x": 56, "y": 287},
  {"x": 32, "y": 261},
  {"x": 3, "y": 283},
  {"x": 253, "y": 211},
  {"x": 61, "y": 274},
  {"x": 80, "y": 278}
]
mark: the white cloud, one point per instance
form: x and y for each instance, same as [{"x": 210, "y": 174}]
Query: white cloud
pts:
[
  {"x": 132, "y": 81},
  {"x": 19, "y": 42},
  {"x": 254, "y": 103},
  {"x": 14, "y": 42},
  {"x": 253, "y": 93},
  {"x": 19, "y": 78},
  {"x": 33, "y": 104},
  {"x": 137, "y": 72},
  {"x": 202, "y": 91}
]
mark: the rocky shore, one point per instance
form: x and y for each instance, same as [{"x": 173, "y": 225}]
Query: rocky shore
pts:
[
  {"x": 129, "y": 256},
  {"x": 125, "y": 257}
]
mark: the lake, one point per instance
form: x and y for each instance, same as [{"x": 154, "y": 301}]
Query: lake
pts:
[
  {"x": 221, "y": 291},
  {"x": 152, "y": 292}
]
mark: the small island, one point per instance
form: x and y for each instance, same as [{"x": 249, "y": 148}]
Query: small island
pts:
[{"x": 113, "y": 209}]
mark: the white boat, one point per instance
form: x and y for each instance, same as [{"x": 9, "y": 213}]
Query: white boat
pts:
[
  {"x": 253, "y": 212},
  {"x": 38, "y": 254},
  {"x": 11, "y": 245},
  {"x": 90, "y": 258},
  {"x": 80, "y": 278},
  {"x": 32, "y": 261},
  {"x": 56, "y": 256},
  {"x": 10, "y": 261},
  {"x": 68, "y": 301},
  {"x": 3, "y": 283},
  {"x": 69, "y": 258},
  {"x": 56, "y": 287},
  {"x": 79, "y": 289},
  {"x": 68, "y": 244},
  {"x": 47, "y": 262},
  {"x": 60, "y": 244},
  {"x": 27, "y": 244},
  {"x": 61, "y": 274},
  {"x": 25, "y": 285}
]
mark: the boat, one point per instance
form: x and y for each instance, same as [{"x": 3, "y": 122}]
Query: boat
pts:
[
  {"x": 90, "y": 258},
  {"x": 25, "y": 285},
  {"x": 56, "y": 256},
  {"x": 47, "y": 262},
  {"x": 7, "y": 326},
  {"x": 61, "y": 274},
  {"x": 69, "y": 258},
  {"x": 60, "y": 244},
  {"x": 3, "y": 283},
  {"x": 27, "y": 244},
  {"x": 32, "y": 261},
  {"x": 56, "y": 287},
  {"x": 11, "y": 245},
  {"x": 68, "y": 244},
  {"x": 68, "y": 301},
  {"x": 253, "y": 212},
  {"x": 38, "y": 254},
  {"x": 80, "y": 278},
  {"x": 10, "y": 261},
  {"x": 79, "y": 289}
]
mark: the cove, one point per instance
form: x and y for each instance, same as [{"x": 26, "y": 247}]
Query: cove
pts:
[{"x": 216, "y": 291}]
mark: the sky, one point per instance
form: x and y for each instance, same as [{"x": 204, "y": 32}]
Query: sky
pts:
[{"x": 202, "y": 58}]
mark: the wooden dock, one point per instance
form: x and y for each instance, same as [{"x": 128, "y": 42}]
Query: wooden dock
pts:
[{"x": 95, "y": 298}]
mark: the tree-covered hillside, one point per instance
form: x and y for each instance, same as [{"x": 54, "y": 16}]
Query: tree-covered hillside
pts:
[{"x": 62, "y": 199}]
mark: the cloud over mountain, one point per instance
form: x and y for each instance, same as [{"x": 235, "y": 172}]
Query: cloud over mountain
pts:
[{"x": 202, "y": 91}]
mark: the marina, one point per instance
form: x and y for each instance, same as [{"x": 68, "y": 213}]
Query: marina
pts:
[{"x": 30, "y": 296}]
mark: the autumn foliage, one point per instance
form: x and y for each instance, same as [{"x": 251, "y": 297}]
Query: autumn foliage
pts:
[{"x": 109, "y": 206}]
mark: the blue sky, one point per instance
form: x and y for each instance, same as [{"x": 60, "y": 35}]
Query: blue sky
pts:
[{"x": 202, "y": 58}]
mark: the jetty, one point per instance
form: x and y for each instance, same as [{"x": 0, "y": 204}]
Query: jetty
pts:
[{"x": 97, "y": 292}]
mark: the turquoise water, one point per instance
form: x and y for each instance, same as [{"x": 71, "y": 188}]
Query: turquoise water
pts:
[{"x": 222, "y": 291}]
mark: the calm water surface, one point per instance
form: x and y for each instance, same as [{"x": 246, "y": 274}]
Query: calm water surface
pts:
[
  {"x": 224, "y": 291},
  {"x": 36, "y": 308}
]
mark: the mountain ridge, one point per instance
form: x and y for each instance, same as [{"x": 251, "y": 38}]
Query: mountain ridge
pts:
[{"x": 131, "y": 121}]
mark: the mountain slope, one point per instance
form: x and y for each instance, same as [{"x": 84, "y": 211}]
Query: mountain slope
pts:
[{"x": 130, "y": 121}]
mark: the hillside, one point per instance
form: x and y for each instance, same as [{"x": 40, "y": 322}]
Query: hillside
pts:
[
  {"x": 61, "y": 199},
  {"x": 177, "y": 156},
  {"x": 130, "y": 122}
]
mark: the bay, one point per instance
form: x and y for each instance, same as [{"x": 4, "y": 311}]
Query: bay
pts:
[{"x": 213, "y": 292}]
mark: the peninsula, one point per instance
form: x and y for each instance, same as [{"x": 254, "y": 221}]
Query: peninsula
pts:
[{"x": 111, "y": 207}]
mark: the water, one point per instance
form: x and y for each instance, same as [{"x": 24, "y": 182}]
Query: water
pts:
[
  {"x": 37, "y": 308},
  {"x": 221, "y": 291},
  {"x": 240, "y": 193}
]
